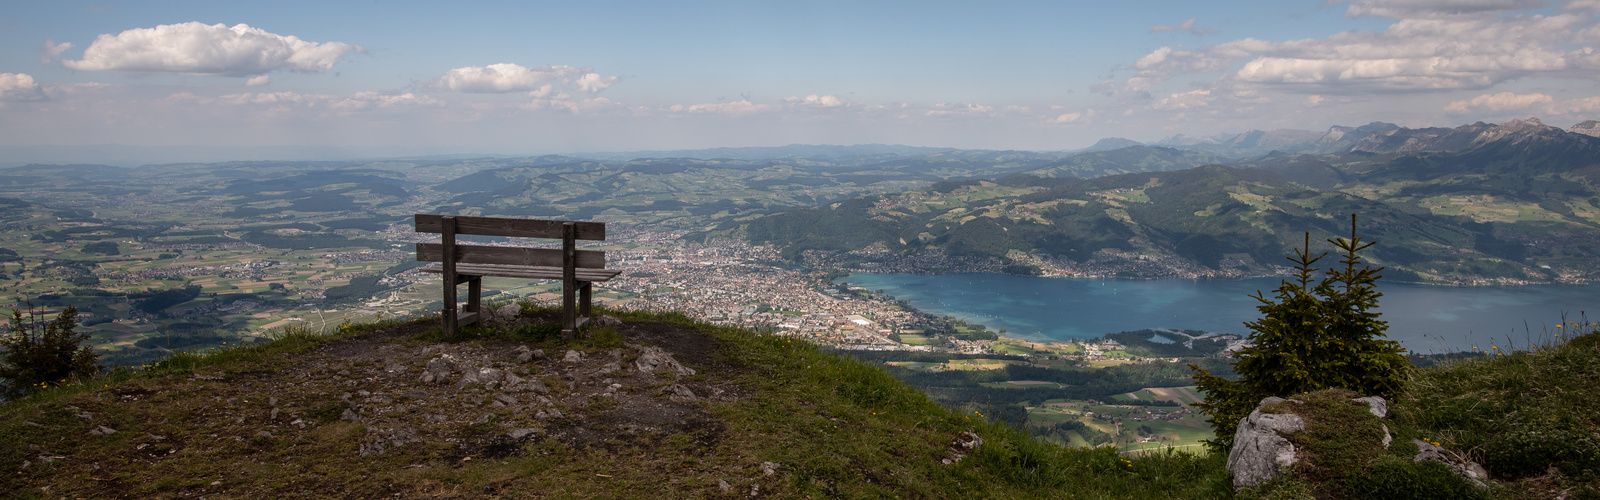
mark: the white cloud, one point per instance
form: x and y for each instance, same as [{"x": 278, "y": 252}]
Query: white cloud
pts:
[
  {"x": 1188, "y": 26},
  {"x": 1587, "y": 106},
  {"x": 195, "y": 48},
  {"x": 1499, "y": 102},
  {"x": 594, "y": 83},
  {"x": 1590, "y": 5},
  {"x": 257, "y": 81},
  {"x": 538, "y": 82},
  {"x": 1186, "y": 100},
  {"x": 313, "y": 103},
  {"x": 944, "y": 109},
  {"x": 368, "y": 100},
  {"x": 51, "y": 50},
  {"x": 1398, "y": 9},
  {"x": 1461, "y": 51},
  {"x": 19, "y": 87},
  {"x": 818, "y": 101},
  {"x": 736, "y": 108}
]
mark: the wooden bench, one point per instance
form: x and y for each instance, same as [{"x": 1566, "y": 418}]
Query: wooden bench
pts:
[{"x": 577, "y": 269}]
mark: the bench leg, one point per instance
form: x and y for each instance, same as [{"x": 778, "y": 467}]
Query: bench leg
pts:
[
  {"x": 474, "y": 298},
  {"x": 449, "y": 314},
  {"x": 569, "y": 313},
  {"x": 585, "y": 295}
]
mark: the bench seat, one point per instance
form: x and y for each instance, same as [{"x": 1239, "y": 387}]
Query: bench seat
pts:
[{"x": 532, "y": 272}]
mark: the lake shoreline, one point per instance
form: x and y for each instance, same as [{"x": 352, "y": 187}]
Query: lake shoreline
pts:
[{"x": 1424, "y": 318}]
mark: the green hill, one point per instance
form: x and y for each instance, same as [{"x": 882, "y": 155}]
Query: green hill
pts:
[
  {"x": 661, "y": 406},
  {"x": 348, "y": 415},
  {"x": 1522, "y": 208}
]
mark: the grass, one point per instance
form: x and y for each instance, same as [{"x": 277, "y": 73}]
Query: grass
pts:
[
  {"x": 1525, "y": 415},
  {"x": 840, "y": 428}
]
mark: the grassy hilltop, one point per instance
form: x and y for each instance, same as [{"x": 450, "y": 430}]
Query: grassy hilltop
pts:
[{"x": 349, "y": 414}]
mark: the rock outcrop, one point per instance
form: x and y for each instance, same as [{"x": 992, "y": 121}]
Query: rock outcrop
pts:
[{"x": 1260, "y": 451}]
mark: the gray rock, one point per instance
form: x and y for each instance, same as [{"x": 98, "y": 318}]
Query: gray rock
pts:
[
  {"x": 1463, "y": 467},
  {"x": 723, "y": 483},
  {"x": 652, "y": 359},
  {"x": 102, "y": 431},
  {"x": 264, "y": 434},
  {"x": 350, "y": 415},
  {"x": 1259, "y": 449},
  {"x": 607, "y": 321},
  {"x": 487, "y": 375},
  {"x": 522, "y": 354},
  {"x": 610, "y": 368},
  {"x": 506, "y": 398},
  {"x": 770, "y": 468},
  {"x": 521, "y": 433},
  {"x": 572, "y": 357},
  {"x": 507, "y": 314},
  {"x": 439, "y": 369},
  {"x": 964, "y": 443},
  {"x": 380, "y": 440},
  {"x": 1376, "y": 405},
  {"x": 538, "y": 386},
  {"x": 1388, "y": 437},
  {"x": 680, "y": 393},
  {"x": 547, "y": 414}
]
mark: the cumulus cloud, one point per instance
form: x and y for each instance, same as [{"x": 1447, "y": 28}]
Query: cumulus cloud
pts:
[
  {"x": 195, "y": 48},
  {"x": 1474, "y": 48},
  {"x": 1587, "y": 107},
  {"x": 818, "y": 101},
  {"x": 1189, "y": 26},
  {"x": 1499, "y": 102},
  {"x": 51, "y": 50},
  {"x": 538, "y": 82},
  {"x": 15, "y": 87},
  {"x": 257, "y": 81}
]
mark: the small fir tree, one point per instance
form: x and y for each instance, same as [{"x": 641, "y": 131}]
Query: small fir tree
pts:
[
  {"x": 35, "y": 358},
  {"x": 1314, "y": 334}
]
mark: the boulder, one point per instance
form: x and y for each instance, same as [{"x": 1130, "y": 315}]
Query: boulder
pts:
[
  {"x": 680, "y": 393},
  {"x": 652, "y": 359},
  {"x": 1259, "y": 448},
  {"x": 506, "y": 315},
  {"x": 1465, "y": 468},
  {"x": 606, "y": 321}
]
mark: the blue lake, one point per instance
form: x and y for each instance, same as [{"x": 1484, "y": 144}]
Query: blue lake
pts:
[{"x": 1426, "y": 319}]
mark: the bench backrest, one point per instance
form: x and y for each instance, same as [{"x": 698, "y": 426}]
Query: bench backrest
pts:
[{"x": 523, "y": 228}]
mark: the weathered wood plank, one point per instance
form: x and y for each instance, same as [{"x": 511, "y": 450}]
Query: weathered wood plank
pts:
[
  {"x": 523, "y": 228},
  {"x": 480, "y": 254},
  {"x": 545, "y": 273}
]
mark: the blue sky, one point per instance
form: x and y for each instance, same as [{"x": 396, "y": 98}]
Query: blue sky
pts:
[{"x": 522, "y": 77}]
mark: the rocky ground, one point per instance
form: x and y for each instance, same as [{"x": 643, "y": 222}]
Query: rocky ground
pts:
[
  {"x": 388, "y": 394},
  {"x": 487, "y": 398}
]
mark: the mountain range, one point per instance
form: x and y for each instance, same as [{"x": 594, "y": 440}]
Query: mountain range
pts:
[{"x": 1481, "y": 203}]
